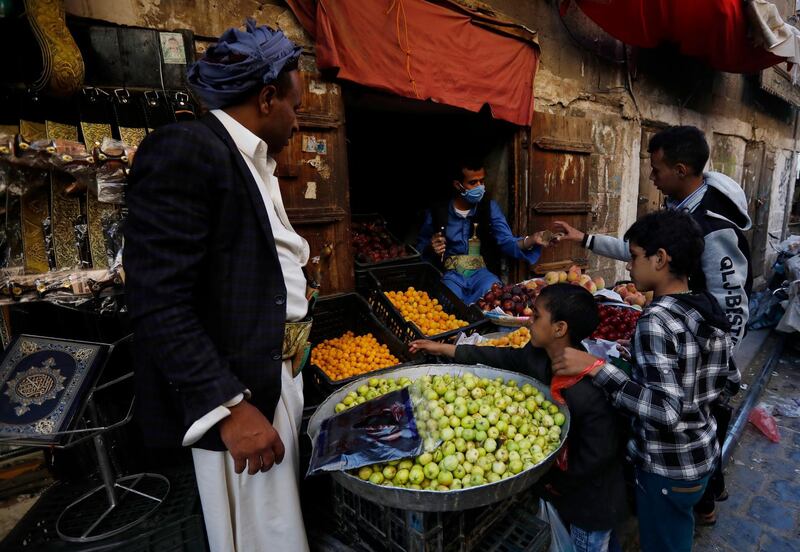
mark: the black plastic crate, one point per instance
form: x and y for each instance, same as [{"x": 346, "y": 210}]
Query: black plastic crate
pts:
[
  {"x": 411, "y": 253},
  {"x": 422, "y": 276},
  {"x": 363, "y": 281},
  {"x": 337, "y": 314},
  {"x": 376, "y": 527},
  {"x": 519, "y": 531},
  {"x": 177, "y": 524}
]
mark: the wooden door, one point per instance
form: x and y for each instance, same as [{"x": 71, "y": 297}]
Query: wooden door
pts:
[
  {"x": 753, "y": 167},
  {"x": 650, "y": 198},
  {"x": 313, "y": 176},
  {"x": 759, "y": 167},
  {"x": 560, "y": 161}
]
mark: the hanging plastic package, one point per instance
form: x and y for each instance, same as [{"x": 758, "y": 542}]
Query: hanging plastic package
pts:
[
  {"x": 114, "y": 160},
  {"x": 380, "y": 430}
]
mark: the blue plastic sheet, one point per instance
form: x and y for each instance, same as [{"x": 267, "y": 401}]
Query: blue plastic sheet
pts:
[{"x": 380, "y": 430}]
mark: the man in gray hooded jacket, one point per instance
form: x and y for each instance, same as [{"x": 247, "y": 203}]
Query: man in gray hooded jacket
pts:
[{"x": 718, "y": 204}]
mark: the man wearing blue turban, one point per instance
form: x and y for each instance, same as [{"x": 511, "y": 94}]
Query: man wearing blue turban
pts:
[{"x": 215, "y": 283}]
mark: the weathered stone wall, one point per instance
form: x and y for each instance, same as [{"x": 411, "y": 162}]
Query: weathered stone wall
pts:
[
  {"x": 571, "y": 81},
  {"x": 207, "y": 18},
  {"x": 729, "y": 108}
]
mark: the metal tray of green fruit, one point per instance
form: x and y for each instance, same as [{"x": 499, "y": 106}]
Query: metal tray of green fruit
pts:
[{"x": 443, "y": 500}]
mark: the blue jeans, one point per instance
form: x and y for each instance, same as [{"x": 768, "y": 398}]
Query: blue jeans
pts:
[
  {"x": 470, "y": 288},
  {"x": 665, "y": 508},
  {"x": 593, "y": 541}
]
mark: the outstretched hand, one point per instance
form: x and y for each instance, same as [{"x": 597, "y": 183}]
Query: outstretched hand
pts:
[
  {"x": 546, "y": 238},
  {"x": 432, "y": 348},
  {"x": 573, "y": 362},
  {"x": 569, "y": 233},
  {"x": 538, "y": 238}
]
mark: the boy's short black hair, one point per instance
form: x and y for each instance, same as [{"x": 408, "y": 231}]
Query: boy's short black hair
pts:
[
  {"x": 571, "y": 304},
  {"x": 676, "y": 232},
  {"x": 682, "y": 144}
]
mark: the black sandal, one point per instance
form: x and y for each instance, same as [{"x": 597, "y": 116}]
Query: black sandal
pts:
[{"x": 706, "y": 519}]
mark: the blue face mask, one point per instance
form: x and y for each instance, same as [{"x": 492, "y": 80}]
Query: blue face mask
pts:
[{"x": 475, "y": 195}]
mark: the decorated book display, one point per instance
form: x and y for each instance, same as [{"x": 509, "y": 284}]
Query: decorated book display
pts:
[
  {"x": 48, "y": 390},
  {"x": 43, "y": 383}
]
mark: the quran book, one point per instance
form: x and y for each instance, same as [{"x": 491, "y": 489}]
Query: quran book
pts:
[{"x": 43, "y": 385}]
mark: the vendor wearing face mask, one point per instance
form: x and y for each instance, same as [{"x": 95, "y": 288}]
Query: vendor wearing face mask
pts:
[{"x": 466, "y": 236}]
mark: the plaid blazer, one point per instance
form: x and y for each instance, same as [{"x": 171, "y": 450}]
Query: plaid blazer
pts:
[{"x": 203, "y": 280}]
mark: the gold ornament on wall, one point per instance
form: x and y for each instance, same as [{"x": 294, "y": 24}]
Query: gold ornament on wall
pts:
[{"x": 63, "y": 70}]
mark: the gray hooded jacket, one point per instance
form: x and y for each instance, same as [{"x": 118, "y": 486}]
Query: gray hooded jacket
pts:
[{"x": 725, "y": 266}]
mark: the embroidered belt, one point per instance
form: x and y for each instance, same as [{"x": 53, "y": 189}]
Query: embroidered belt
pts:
[
  {"x": 295, "y": 343},
  {"x": 463, "y": 263},
  {"x": 65, "y": 209},
  {"x": 96, "y": 212},
  {"x": 34, "y": 210}
]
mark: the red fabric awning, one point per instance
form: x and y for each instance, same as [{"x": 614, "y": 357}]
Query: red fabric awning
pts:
[
  {"x": 712, "y": 30},
  {"x": 427, "y": 50}
]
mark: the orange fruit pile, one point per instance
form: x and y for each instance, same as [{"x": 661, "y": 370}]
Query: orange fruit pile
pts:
[
  {"x": 351, "y": 355},
  {"x": 426, "y": 313},
  {"x": 517, "y": 339}
]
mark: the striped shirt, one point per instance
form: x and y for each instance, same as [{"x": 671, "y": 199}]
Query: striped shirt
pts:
[{"x": 690, "y": 202}]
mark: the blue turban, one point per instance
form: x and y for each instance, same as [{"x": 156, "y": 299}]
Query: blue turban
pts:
[{"x": 239, "y": 62}]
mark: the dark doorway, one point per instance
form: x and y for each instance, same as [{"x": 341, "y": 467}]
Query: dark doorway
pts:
[{"x": 401, "y": 154}]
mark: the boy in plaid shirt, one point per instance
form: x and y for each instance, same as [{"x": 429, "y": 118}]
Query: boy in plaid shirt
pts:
[{"x": 681, "y": 352}]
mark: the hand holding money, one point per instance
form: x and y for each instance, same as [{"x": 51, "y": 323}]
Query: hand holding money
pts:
[{"x": 545, "y": 238}]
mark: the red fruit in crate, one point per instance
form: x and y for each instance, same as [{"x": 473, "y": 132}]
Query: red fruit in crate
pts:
[
  {"x": 489, "y": 297},
  {"x": 508, "y": 305},
  {"x": 496, "y": 287},
  {"x": 527, "y": 311},
  {"x": 516, "y": 298},
  {"x": 496, "y": 303},
  {"x": 519, "y": 308}
]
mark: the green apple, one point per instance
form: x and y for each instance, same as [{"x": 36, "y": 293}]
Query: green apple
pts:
[
  {"x": 376, "y": 478},
  {"x": 431, "y": 471},
  {"x": 416, "y": 475},
  {"x": 401, "y": 477}
]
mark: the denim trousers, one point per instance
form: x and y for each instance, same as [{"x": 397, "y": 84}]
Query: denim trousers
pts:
[
  {"x": 593, "y": 541},
  {"x": 469, "y": 288},
  {"x": 665, "y": 508}
]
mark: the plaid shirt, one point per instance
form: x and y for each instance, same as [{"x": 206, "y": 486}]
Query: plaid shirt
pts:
[{"x": 681, "y": 363}]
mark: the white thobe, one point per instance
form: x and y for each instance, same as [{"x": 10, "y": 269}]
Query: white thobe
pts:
[{"x": 259, "y": 512}]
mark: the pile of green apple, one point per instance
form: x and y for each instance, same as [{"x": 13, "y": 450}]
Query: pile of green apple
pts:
[{"x": 475, "y": 431}]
